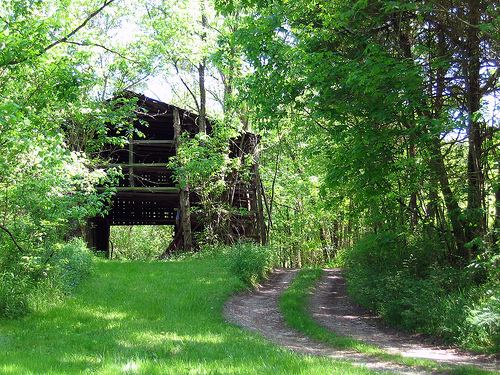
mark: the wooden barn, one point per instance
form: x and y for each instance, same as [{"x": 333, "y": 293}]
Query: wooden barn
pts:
[{"x": 148, "y": 195}]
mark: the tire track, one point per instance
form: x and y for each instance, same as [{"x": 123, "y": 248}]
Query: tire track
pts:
[{"x": 258, "y": 311}]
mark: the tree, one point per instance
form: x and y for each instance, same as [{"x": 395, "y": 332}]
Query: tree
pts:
[
  {"x": 388, "y": 83},
  {"x": 191, "y": 43},
  {"x": 49, "y": 93}
]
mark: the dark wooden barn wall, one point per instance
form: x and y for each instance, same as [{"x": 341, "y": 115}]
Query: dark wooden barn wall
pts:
[{"x": 148, "y": 194}]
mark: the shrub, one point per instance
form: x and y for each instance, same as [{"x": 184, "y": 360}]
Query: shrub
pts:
[
  {"x": 33, "y": 281},
  {"x": 482, "y": 328},
  {"x": 19, "y": 277},
  {"x": 14, "y": 292},
  {"x": 389, "y": 276},
  {"x": 250, "y": 262},
  {"x": 71, "y": 264}
]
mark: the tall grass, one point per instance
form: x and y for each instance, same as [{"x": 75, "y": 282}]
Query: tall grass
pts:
[
  {"x": 148, "y": 318},
  {"x": 250, "y": 262}
]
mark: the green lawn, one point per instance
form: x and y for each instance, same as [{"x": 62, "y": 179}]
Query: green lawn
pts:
[{"x": 148, "y": 318}]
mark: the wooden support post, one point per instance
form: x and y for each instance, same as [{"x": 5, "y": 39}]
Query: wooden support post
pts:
[
  {"x": 101, "y": 233},
  {"x": 185, "y": 208},
  {"x": 131, "y": 164}
]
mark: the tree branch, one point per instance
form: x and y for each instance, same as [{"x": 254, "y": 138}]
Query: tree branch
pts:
[
  {"x": 186, "y": 85},
  {"x": 314, "y": 120},
  {"x": 21, "y": 250},
  {"x": 65, "y": 39},
  {"x": 88, "y": 44}
]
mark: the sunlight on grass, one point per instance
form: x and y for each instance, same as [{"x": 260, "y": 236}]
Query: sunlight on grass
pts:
[
  {"x": 148, "y": 318},
  {"x": 9, "y": 369}
]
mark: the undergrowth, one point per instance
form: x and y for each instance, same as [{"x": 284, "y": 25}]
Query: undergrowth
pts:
[
  {"x": 397, "y": 280},
  {"x": 250, "y": 262},
  {"x": 42, "y": 276}
]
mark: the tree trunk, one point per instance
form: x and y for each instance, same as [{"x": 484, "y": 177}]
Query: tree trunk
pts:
[
  {"x": 203, "y": 98},
  {"x": 413, "y": 197},
  {"x": 260, "y": 209},
  {"x": 471, "y": 66},
  {"x": 186, "y": 218},
  {"x": 184, "y": 193},
  {"x": 461, "y": 252},
  {"x": 201, "y": 74}
]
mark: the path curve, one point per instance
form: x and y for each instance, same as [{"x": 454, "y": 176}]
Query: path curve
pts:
[{"x": 258, "y": 311}]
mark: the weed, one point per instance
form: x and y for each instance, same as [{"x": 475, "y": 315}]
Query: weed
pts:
[
  {"x": 42, "y": 277},
  {"x": 72, "y": 263},
  {"x": 250, "y": 262}
]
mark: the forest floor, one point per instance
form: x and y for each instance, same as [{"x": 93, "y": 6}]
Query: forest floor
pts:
[{"x": 330, "y": 305}]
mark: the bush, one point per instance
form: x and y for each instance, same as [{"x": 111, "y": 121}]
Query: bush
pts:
[
  {"x": 34, "y": 280},
  {"x": 250, "y": 262},
  {"x": 71, "y": 264},
  {"x": 391, "y": 277},
  {"x": 19, "y": 276},
  {"x": 482, "y": 328}
]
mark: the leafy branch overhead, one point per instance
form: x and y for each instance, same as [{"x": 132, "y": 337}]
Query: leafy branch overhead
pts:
[{"x": 43, "y": 28}]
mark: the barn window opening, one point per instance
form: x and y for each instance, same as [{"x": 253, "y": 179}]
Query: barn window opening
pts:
[{"x": 140, "y": 242}]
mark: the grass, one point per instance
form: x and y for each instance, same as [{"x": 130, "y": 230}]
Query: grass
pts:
[
  {"x": 293, "y": 305},
  {"x": 148, "y": 318}
]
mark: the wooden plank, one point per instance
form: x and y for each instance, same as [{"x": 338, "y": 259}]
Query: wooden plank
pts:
[
  {"x": 140, "y": 165},
  {"x": 173, "y": 190},
  {"x": 153, "y": 142},
  {"x": 142, "y": 222}
]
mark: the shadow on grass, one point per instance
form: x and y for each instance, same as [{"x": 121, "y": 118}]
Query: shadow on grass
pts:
[{"x": 148, "y": 318}]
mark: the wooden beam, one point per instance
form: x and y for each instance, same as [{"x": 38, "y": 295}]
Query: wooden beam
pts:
[
  {"x": 153, "y": 142},
  {"x": 125, "y": 165},
  {"x": 173, "y": 190}
]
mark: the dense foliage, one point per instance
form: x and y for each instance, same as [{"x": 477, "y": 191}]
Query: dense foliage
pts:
[
  {"x": 139, "y": 242},
  {"x": 386, "y": 86},
  {"x": 52, "y": 123},
  {"x": 383, "y": 141}
]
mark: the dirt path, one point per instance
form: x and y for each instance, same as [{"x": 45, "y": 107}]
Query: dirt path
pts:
[{"x": 258, "y": 311}]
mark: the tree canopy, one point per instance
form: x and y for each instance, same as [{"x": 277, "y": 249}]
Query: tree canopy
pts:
[{"x": 398, "y": 91}]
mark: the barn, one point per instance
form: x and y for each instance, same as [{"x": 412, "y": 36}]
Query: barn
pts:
[{"x": 148, "y": 194}]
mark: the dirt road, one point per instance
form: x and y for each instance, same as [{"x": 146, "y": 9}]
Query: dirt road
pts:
[{"x": 258, "y": 311}]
